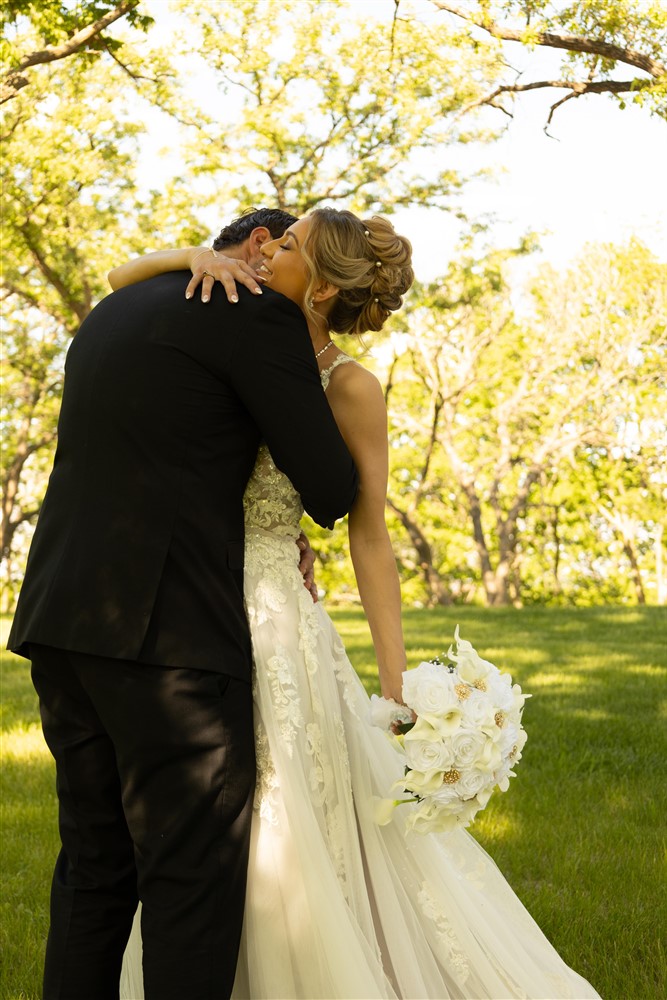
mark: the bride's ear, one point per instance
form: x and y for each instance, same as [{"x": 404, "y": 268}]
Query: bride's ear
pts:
[{"x": 324, "y": 292}]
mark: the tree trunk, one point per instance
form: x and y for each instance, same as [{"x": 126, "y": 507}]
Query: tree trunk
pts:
[
  {"x": 489, "y": 578},
  {"x": 629, "y": 549},
  {"x": 436, "y": 588}
]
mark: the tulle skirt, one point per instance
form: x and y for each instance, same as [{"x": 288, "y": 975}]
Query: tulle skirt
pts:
[{"x": 337, "y": 906}]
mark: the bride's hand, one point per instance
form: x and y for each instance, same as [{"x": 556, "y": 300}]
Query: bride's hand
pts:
[{"x": 209, "y": 266}]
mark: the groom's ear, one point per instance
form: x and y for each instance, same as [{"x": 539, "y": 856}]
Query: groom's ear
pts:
[{"x": 257, "y": 237}]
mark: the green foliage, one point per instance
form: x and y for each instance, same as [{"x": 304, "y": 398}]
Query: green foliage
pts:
[
  {"x": 495, "y": 421},
  {"x": 68, "y": 218},
  {"x": 623, "y": 40},
  {"x": 329, "y": 108},
  {"x": 314, "y": 107},
  {"x": 39, "y": 23},
  {"x": 625, "y": 23}
]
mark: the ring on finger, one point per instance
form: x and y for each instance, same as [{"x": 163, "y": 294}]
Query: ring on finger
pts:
[{"x": 206, "y": 274}]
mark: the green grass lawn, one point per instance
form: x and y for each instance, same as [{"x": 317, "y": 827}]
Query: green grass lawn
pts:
[{"x": 580, "y": 834}]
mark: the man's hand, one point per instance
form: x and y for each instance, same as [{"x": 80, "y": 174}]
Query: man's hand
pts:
[
  {"x": 209, "y": 266},
  {"x": 307, "y": 566}
]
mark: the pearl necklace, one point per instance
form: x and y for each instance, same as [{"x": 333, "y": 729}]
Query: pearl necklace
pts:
[{"x": 325, "y": 348}]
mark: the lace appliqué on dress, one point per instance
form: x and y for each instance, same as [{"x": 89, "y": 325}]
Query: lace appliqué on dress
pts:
[
  {"x": 267, "y": 779},
  {"x": 285, "y": 698},
  {"x": 345, "y": 676},
  {"x": 456, "y": 957},
  {"x": 326, "y": 373}
]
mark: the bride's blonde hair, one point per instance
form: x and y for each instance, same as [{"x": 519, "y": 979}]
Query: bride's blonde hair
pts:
[{"x": 365, "y": 259}]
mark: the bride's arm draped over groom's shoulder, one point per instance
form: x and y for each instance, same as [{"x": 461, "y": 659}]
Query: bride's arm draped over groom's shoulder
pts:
[{"x": 206, "y": 265}]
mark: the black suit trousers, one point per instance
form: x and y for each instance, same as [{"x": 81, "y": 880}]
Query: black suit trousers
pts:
[{"x": 155, "y": 773}]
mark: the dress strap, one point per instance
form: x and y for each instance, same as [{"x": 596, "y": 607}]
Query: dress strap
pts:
[{"x": 325, "y": 374}]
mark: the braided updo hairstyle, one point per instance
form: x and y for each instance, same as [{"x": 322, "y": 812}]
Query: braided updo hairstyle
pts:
[{"x": 365, "y": 259}]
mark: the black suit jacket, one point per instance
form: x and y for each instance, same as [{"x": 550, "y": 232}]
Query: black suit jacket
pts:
[{"x": 138, "y": 551}]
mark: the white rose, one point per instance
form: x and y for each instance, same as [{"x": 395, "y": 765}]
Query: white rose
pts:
[
  {"x": 425, "y": 755},
  {"x": 447, "y": 798},
  {"x": 499, "y": 688},
  {"x": 467, "y": 745},
  {"x": 479, "y": 712},
  {"x": 429, "y": 690},
  {"x": 471, "y": 784}
]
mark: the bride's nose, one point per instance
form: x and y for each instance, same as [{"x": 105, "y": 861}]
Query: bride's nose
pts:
[{"x": 268, "y": 249}]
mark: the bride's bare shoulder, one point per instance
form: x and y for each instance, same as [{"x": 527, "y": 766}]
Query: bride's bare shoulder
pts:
[
  {"x": 356, "y": 393},
  {"x": 353, "y": 378}
]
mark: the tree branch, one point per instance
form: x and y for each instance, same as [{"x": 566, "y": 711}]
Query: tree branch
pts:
[
  {"x": 571, "y": 43},
  {"x": 15, "y": 80},
  {"x": 577, "y": 88},
  {"x": 135, "y": 77},
  {"x": 70, "y": 301}
]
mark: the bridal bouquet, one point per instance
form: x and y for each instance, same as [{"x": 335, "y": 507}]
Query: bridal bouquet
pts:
[{"x": 464, "y": 743}]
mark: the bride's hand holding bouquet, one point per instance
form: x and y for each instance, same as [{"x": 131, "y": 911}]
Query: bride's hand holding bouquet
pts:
[{"x": 461, "y": 734}]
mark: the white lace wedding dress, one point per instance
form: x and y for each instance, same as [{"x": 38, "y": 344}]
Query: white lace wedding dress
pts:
[{"x": 338, "y": 907}]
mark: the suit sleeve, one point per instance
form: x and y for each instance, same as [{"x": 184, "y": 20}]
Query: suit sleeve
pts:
[{"x": 274, "y": 372}]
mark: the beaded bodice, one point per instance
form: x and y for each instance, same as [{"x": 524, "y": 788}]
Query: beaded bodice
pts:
[{"x": 271, "y": 504}]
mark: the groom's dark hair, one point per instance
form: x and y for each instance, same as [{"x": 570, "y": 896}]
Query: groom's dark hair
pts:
[{"x": 273, "y": 219}]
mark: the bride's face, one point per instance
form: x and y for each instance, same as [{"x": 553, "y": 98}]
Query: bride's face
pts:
[{"x": 283, "y": 266}]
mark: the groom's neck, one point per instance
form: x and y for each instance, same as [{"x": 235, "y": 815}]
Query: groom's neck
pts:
[{"x": 239, "y": 251}]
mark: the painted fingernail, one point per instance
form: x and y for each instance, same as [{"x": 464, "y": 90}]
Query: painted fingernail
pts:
[
  {"x": 235, "y": 298},
  {"x": 188, "y": 295},
  {"x": 204, "y": 298},
  {"x": 257, "y": 291}
]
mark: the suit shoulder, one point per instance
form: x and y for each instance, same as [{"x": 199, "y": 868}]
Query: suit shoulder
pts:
[
  {"x": 271, "y": 314},
  {"x": 272, "y": 302}
]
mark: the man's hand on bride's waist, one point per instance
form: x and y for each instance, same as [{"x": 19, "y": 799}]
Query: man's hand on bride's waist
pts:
[{"x": 209, "y": 266}]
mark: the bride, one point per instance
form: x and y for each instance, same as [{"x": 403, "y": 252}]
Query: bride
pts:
[{"x": 337, "y": 906}]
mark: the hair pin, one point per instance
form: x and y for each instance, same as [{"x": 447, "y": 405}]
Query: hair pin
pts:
[
  {"x": 367, "y": 232},
  {"x": 378, "y": 263}
]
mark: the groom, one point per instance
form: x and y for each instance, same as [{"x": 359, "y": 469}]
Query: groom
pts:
[{"x": 132, "y": 614}]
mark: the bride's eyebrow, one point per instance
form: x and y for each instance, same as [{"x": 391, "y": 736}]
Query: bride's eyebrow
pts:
[{"x": 288, "y": 234}]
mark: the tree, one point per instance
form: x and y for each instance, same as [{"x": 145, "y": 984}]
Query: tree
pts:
[
  {"x": 46, "y": 31},
  {"x": 503, "y": 407},
  {"x": 67, "y": 219},
  {"x": 597, "y": 36},
  {"x": 316, "y": 107}
]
